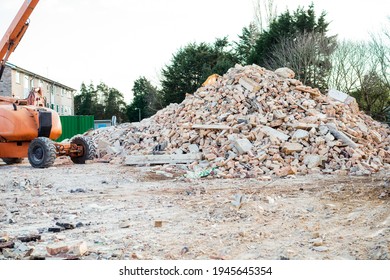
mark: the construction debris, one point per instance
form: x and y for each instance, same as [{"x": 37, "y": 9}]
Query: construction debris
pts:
[
  {"x": 162, "y": 159},
  {"x": 252, "y": 122}
]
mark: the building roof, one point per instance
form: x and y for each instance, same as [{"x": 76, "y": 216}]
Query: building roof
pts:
[{"x": 19, "y": 69}]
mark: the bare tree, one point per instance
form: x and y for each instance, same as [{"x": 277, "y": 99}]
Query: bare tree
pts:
[
  {"x": 350, "y": 62},
  {"x": 361, "y": 69},
  {"x": 265, "y": 12},
  {"x": 308, "y": 55}
]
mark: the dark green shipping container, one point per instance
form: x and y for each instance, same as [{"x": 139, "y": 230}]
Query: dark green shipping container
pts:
[{"x": 73, "y": 125}]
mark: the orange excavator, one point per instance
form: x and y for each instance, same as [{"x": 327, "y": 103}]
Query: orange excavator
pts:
[{"x": 27, "y": 128}]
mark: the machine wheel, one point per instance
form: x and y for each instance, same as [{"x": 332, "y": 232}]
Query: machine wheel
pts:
[
  {"x": 88, "y": 147},
  {"x": 41, "y": 152},
  {"x": 12, "y": 160}
]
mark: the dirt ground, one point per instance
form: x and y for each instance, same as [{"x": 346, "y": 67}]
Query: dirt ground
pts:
[{"x": 123, "y": 212}]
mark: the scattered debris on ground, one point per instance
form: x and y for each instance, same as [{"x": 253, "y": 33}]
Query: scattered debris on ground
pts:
[{"x": 107, "y": 211}]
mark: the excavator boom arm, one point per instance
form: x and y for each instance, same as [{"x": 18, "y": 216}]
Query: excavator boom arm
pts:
[{"x": 15, "y": 32}]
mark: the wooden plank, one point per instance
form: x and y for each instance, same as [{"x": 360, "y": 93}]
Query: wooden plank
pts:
[{"x": 162, "y": 159}]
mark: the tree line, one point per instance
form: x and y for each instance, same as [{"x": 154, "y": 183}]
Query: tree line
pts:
[{"x": 296, "y": 39}]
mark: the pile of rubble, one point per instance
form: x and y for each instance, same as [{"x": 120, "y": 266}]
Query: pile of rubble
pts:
[{"x": 252, "y": 122}]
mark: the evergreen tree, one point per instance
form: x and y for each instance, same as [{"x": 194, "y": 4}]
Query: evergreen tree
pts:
[
  {"x": 245, "y": 46},
  {"x": 146, "y": 102},
  {"x": 191, "y": 66},
  {"x": 85, "y": 102},
  {"x": 297, "y": 40},
  {"x": 102, "y": 102}
]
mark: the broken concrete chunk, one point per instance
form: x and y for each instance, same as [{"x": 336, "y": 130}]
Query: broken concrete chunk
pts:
[
  {"x": 285, "y": 72},
  {"x": 278, "y": 114},
  {"x": 275, "y": 133},
  {"x": 243, "y": 146},
  {"x": 338, "y": 95},
  {"x": 376, "y": 136},
  {"x": 300, "y": 134},
  {"x": 312, "y": 161},
  {"x": 249, "y": 84},
  {"x": 341, "y": 136},
  {"x": 344, "y": 98},
  {"x": 290, "y": 148},
  {"x": 79, "y": 248},
  {"x": 362, "y": 127},
  {"x": 193, "y": 148}
]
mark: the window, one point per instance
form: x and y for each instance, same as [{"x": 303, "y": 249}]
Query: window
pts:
[
  {"x": 26, "y": 89},
  {"x": 17, "y": 77}
]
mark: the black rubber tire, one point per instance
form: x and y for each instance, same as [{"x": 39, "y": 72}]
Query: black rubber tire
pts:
[
  {"x": 41, "y": 152},
  {"x": 12, "y": 160},
  {"x": 88, "y": 147}
]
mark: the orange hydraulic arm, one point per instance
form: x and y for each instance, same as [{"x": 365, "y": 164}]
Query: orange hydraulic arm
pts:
[{"x": 15, "y": 32}]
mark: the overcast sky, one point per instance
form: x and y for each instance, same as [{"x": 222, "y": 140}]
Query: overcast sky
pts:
[{"x": 117, "y": 41}]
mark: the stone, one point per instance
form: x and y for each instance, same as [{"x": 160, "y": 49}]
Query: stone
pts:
[
  {"x": 312, "y": 161},
  {"x": 285, "y": 171},
  {"x": 320, "y": 248},
  {"x": 249, "y": 84},
  {"x": 57, "y": 248},
  {"x": 275, "y": 133},
  {"x": 300, "y": 134},
  {"x": 243, "y": 146},
  {"x": 338, "y": 95},
  {"x": 193, "y": 148},
  {"x": 290, "y": 148},
  {"x": 376, "y": 136},
  {"x": 79, "y": 248},
  {"x": 285, "y": 72}
]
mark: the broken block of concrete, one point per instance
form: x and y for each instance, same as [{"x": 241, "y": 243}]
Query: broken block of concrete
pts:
[
  {"x": 344, "y": 98},
  {"x": 79, "y": 248},
  {"x": 312, "y": 161},
  {"x": 290, "y": 148},
  {"x": 274, "y": 133},
  {"x": 243, "y": 146},
  {"x": 249, "y": 84},
  {"x": 300, "y": 134},
  {"x": 193, "y": 148},
  {"x": 285, "y": 72},
  {"x": 340, "y": 135}
]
